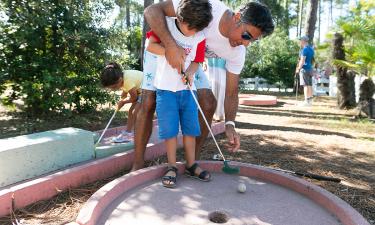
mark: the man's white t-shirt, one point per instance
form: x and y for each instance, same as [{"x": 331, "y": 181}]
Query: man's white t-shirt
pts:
[
  {"x": 166, "y": 77},
  {"x": 216, "y": 44}
]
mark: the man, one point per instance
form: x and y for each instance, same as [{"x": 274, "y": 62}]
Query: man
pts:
[
  {"x": 305, "y": 69},
  {"x": 227, "y": 35}
]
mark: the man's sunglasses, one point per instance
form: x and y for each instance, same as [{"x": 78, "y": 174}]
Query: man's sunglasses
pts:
[{"x": 248, "y": 37}]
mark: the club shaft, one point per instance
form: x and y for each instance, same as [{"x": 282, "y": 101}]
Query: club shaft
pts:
[
  {"x": 205, "y": 120},
  {"x": 105, "y": 129}
]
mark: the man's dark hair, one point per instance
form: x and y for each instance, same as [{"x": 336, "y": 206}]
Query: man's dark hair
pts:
[
  {"x": 258, "y": 15},
  {"x": 196, "y": 13},
  {"x": 111, "y": 74}
]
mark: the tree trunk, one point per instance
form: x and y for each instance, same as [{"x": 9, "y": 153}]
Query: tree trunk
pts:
[
  {"x": 146, "y": 28},
  {"x": 127, "y": 9},
  {"x": 345, "y": 79},
  {"x": 286, "y": 16},
  {"x": 319, "y": 19},
  {"x": 330, "y": 16},
  {"x": 300, "y": 12},
  {"x": 311, "y": 19}
]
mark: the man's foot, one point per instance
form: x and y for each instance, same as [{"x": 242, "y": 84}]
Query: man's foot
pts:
[{"x": 137, "y": 166}]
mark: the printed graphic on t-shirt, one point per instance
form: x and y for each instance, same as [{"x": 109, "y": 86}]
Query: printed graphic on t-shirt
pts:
[
  {"x": 210, "y": 54},
  {"x": 185, "y": 46}
]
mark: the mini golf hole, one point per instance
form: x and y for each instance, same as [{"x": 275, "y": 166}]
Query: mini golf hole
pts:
[{"x": 218, "y": 217}]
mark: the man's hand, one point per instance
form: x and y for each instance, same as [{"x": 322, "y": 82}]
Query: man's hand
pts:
[
  {"x": 175, "y": 56},
  {"x": 233, "y": 138}
]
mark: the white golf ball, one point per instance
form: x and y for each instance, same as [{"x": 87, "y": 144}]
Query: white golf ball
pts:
[{"x": 241, "y": 188}]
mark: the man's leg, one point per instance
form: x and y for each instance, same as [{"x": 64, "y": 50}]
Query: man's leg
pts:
[
  {"x": 143, "y": 127},
  {"x": 207, "y": 102},
  {"x": 143, "y": 123}
]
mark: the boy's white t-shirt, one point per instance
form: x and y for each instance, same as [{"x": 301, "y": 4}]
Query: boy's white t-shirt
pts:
[
  {"x": 216, "y": 44},
  {"x": 166, "y": 77}
]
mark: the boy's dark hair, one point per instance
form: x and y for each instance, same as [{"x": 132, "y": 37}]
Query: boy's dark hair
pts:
[
  {"x": 258, "y": 15},
  {"x": 196, "y": 13},
  {"x": 111, "y": 74}
]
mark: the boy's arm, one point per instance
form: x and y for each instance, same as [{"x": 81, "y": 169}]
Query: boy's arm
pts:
[
  {"x": 199, "y": 58},
  {"x": 154, "y": 46},
  {"x": 190, "y": 71},
  {"x": 155, "y": 17}
]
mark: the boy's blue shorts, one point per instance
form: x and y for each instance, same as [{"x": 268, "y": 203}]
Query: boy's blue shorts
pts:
[{"x": 175, "y": 108}]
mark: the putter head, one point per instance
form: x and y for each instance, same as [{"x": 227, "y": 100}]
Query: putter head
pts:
[{"x": 229, "y": 170}]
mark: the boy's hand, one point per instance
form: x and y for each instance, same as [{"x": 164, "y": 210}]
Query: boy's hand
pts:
[
  {"x": 187, "y": 79},
  {"x": 120, "y": 104},
  {"x": 191, "y": 79}
]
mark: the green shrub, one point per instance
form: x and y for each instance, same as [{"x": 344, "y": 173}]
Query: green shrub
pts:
[
  {"x": 274, "y": 58},
  {"x": 51, "y": 53}
]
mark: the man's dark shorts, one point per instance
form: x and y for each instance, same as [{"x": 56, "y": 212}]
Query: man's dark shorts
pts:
[{"x": 305, "y": 77}]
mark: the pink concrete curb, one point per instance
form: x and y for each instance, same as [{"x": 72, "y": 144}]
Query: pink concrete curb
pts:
[
  {"x": 249, "y": 99},
  {"x": 50, "y": 185},
  {"x": 94, "y": 207}
]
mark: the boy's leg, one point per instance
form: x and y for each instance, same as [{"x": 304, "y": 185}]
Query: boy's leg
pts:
[
  {"x": 189, "y": 146},
  {"x": 190, "y": 129},
  {"x": 168, "y": 120},
  {"x": 171, "y": 146},
  {"x": 208, "y": 102}
]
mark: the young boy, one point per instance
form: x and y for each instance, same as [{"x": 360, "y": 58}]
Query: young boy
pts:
[
  {"x": 129, "y": 82},
  {"x": 174, "y": 103}
]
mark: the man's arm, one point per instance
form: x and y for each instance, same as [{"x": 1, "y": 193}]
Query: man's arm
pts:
[
  {"x": 230, "y": 107},
  {"x": 155, "y": 16}
]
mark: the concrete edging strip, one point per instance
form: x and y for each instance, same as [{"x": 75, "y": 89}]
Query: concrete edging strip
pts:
[{"x": 23, "y": 194}]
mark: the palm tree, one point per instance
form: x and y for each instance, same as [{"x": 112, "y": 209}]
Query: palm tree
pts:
[{"x": 345, "y": 79}]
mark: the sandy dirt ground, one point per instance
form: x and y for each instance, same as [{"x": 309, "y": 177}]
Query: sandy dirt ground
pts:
[{"x": 320, "y": 139}]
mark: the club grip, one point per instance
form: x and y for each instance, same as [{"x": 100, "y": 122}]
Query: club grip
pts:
[{"x": 318, "y": 177}]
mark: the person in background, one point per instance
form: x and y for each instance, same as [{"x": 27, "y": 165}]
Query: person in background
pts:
[
  {"x": 305, "y": 69},
  {"x": 129, "y": 81}
]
